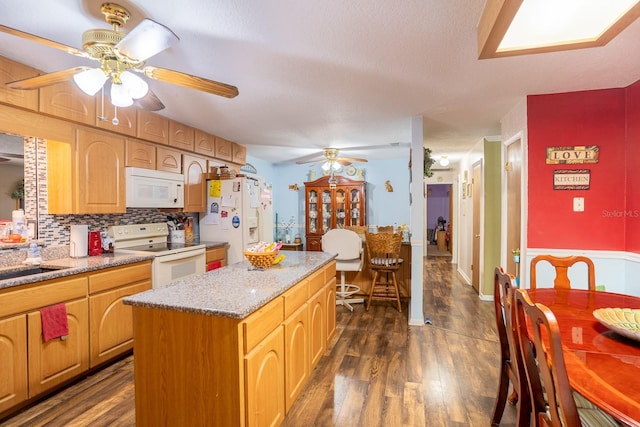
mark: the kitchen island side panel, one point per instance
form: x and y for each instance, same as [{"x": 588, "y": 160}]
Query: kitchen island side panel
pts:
[{"x": 187, "y": 369}]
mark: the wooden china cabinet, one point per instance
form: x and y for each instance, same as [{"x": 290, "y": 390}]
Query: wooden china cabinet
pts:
[{"x": 328, "y": 208}]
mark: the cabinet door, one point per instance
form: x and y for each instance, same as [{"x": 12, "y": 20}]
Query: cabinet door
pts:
[
  {"x": 355, "y": 209},
  {"x": 168, "y": 160},
  {"x": 181, "y": 136},
  {"x": 264, "y": 381},
  {"x": 205, "y": 143},
  {"x": 296, "y": 354},
  {"x": 224, "y": 149},
  {"x": 13, "y": 359},
  {"x": 239, "y": 154},
  {"x": 317, "y": 327},
  {"x": 330, "y": 299},
  {"x": 65, "y": 100},
  {"x": 106, "y": 112},
  {"x": 11, "y": 71},
  {"x": 57, "y": 360},
  {"x": 194, "y": 195},
  {"x": 111, "y": 323},
  {"x": 152, "y": 127},
  {"x": 100, "y": 173},
  {"x": 340, "y": 207},
  {"x": 140, "y": 154},
  {"x": 326, "y": 214}
]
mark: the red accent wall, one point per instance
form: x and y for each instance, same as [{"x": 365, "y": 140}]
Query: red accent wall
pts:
[
  {"x": 574, "y": 119},
  {"x": 632, "y": 230}
]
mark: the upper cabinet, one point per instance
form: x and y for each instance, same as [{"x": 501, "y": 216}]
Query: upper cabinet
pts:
[
  {"x": 66, "y": 101},
  {"x": 152, "y": 127},
  {"x": 89, "y": 174},
  {"x": 107, "y": 114},
  {"x": 168, "y": 160},
  {"x": 239, "y": 154},
  {"x": 181, "y": 136},
  {"x": 140, "y": 154},
  {"x": 194, "y": 169},
  {"x": 224, "y": 149},
  {"x": 11, "y": 71},
  {"x": 205, "y": 143}
]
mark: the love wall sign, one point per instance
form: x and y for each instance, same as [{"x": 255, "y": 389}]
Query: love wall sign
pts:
[{"x": 572, "y": 155}]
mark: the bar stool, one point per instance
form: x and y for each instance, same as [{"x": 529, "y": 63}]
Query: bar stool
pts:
[{"x": 384, "y": 257}]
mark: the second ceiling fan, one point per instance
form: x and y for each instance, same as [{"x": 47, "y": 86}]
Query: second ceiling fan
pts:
[{"x": 121, "y": 56}]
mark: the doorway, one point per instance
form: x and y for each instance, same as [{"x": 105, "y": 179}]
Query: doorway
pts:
[
  {"x": 476, "y": 195},
  {"x": 439, "y": 219},
  {"x": 513, "y": 209}
]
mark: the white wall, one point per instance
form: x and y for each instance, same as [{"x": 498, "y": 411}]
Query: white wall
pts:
[{"x": 10, "y": 177}]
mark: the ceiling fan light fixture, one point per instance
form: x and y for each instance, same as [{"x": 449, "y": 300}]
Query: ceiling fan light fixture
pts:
[
  {"x": 326, "y": 166},
  {"x": 444, "y": 161},
  {"x": 120, "y": 96},
  {"x": 135, "y": 85},
  {"x": 90, "y": 81}
]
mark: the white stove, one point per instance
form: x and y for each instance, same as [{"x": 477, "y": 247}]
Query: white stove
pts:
[{"x": 172, "y": 261}]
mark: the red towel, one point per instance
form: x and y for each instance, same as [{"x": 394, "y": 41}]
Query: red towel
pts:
[{"x": 54, "y": 322}]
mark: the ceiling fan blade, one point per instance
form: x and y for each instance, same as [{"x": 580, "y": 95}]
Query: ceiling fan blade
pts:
[
  {"x": 353, "y": 159},
  {"x": 46, "y": 42},
  {"x": 149, "y": 102},
  {"x": 146, "y": 39},
  {"x": 193, "y": 82},
  {"x": 46, "y": 79},
  {"x": 314, "y": 158},
  {"x": 343, "y": 161}
]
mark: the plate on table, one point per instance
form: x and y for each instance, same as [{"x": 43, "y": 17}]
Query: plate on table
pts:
[{"x": 624, "y": 321}]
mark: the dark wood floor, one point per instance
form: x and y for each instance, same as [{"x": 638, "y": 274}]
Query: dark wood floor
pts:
[{"x": 378, "y": 370}]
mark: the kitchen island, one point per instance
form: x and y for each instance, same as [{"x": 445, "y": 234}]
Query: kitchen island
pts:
[{"x": 233, "y": 346}]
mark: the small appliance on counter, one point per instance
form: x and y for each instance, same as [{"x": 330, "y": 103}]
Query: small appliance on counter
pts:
[
  {"x": 95, "y": 243},
  {"x": 78, "y": 241}
]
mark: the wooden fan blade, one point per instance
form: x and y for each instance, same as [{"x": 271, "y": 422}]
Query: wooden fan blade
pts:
[
  {"x": 146, "y": 39},
  {"x": 46, "y": 42},
  {"x": 149, "y": 102},
  {"x": 353, "y": 159},
  {"x": 316, "y": 159},
  {"x": 193, "y": 82},
  {"x": 46, "y": 79},
  {"x": 343, "y": 161}
]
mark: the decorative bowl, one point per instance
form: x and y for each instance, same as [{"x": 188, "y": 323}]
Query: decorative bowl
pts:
[{"x": 624, "y": 321}]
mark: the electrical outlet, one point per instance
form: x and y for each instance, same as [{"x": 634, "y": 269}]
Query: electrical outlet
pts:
[{"x": 578, "y": 204}]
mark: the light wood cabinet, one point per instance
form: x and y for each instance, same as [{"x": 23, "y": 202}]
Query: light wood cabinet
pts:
[
  {"x": 216, "y": 256},
  {"x": 110, "y": 321},
  {"x": 13, "y": 359},
  {"x": 317, "y": 327},
  {"x": 140, "y": 154},
  {"x": 58, "y": 360},
  {"x": 168, "y": 160},
  {"x": 181, "y": 136},
  {"x": 67, "y": 101},
  {"x": 264, "y": 370},
  {"x": 296, "y": 353},
  {"x": 152, "y": 127},
  {"x": 106, "y": 112},
  {"x": 327, "y": 208},
  {"x": 89, "y": 174},
  {"x": 11, "y": 71},
  {"x": 330, "y": 304},
  {"x": 239, "y": 154},
  {"x": 205, "y": 143},
  {"x": 194, "y": 169},
  {"x": 224, "y": 149}
]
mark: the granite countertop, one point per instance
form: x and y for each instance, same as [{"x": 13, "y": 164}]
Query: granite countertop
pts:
[
  {"x": 233, "y": 291},
  {"x": 69, "y": 266}
]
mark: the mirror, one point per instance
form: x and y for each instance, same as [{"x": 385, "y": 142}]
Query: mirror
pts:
[{"x": 11, "y": 174}]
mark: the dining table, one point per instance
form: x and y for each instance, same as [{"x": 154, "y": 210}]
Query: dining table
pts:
[{"x": 602, "y": 365}]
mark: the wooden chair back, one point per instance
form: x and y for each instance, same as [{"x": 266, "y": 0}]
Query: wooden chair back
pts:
[
  {"x": 562, "y": 265},
  {"x": 385, "y": 229},
  {"x": 383, "y": 250},
  {"x": 541, "y": 349},
  {"x": 511, "y": 365}
]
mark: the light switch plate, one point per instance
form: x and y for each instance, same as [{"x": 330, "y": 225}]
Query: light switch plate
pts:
[{"x": 578, "y": 204}]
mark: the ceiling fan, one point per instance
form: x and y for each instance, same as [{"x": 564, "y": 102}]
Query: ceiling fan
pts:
[
  {"x": 331, "y": 159},
  {"x": 121, "y": 57}
]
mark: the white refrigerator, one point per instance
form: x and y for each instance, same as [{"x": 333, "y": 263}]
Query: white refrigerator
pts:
[{"x": 239, "y": 212}]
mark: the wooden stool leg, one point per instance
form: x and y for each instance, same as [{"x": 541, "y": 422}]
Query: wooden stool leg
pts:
[
  {"x": 373, "y": 286},
  {"x": 395, "y": 288}
]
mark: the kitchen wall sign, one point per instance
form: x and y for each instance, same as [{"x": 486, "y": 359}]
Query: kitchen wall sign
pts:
[
  {"x": 567, "y": 179},
  {"x": 572, "y": 155}
]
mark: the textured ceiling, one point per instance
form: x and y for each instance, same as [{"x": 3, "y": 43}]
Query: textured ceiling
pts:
[{"x": 331, "y": 73}]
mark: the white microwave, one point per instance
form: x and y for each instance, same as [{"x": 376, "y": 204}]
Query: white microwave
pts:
[{"x": 148, "y": 188}]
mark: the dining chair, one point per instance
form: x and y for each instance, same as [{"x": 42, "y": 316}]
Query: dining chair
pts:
[
  {"x": 347, "y": 246},
  {"x": 553, "y": 401},
  {"x": 511, "y": 366},
  {"x": 383, "y": 251},
  {"x": 561, "y": 266}
]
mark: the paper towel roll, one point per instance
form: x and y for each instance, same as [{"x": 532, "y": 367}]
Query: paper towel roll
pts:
[{"x": 79, "y": 241}]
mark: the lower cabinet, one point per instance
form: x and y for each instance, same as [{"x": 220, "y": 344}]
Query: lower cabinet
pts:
[
  {"x": 13, "y": 357},
  {"x": 58, "y": 360},
  {"x": 296, "y": 352}
]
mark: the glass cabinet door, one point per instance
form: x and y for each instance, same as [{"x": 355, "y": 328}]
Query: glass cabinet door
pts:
[
  {"x": 354, "y": 205},
  {"x": 341, "y": 207},
  {"x": 327, "y": 211},
  {"x": 312, "y": 217}
]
